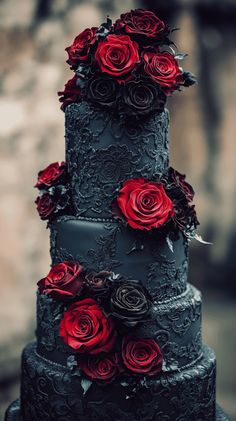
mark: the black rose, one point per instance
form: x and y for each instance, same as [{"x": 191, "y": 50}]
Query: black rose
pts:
[
  {"x": 143, "y": 97},
  {"x": 185, "y": 217},
  {"x": 130, "y": 302},
  {"x": 98, "y": 283},
  {"x": 102, "y": 91},
  {"x": 177, "y": 185},
  {"x": 188, "y": 79}
]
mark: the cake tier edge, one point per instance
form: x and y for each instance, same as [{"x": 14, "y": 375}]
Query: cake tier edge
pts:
[
  {"x": 51, "y": 392},
  {"x": 14, "y": 413}
]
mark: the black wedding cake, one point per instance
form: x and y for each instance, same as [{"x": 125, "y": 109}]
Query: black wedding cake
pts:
[{"x": 118, "y": 334}]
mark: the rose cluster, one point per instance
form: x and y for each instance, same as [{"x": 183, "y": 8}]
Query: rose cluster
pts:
[
  {"x": 54, "y": 191},
  {"x": 127, "y": 65},
  {"x": 100, "y": 322},
  {"x": 146, "y": 205}
]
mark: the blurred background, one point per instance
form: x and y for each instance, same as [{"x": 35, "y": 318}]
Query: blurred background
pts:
[{"x": 33, "y": 36}]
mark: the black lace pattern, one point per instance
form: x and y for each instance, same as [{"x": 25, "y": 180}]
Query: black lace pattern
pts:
[
  {"x": 52, "y": 392},
  {"x": 102, "y": 151}
]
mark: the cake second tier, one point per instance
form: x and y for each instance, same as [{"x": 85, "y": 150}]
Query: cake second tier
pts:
[
  {"x": 105, "y": 245},
  {"x": 103, "y": 150}
]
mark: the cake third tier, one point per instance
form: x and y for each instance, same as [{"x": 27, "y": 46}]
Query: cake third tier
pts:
[
  {"x": 175, "y": 324},
  {"x": 102, "y": 151}
]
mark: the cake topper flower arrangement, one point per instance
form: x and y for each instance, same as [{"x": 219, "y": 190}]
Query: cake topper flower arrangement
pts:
[{"x": 128, "y": 65}]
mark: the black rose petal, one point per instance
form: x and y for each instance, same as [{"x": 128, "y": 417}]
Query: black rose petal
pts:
[
  {"x": 188, "y": 79},
  {"x": 177, "y": 186},
  {"x": 185, "y": 217},
  {"x": 143, "y": 97},
  {"x": 102, "y": 91},
  {"x": 130, "y": 302},
  {"x": 98, "y": 283}
]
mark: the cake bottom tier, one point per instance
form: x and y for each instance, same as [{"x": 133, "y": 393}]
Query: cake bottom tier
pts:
[{"x": 51, "y": 392}]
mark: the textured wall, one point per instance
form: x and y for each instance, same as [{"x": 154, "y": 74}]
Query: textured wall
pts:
[{"x": 33, "y": 36}]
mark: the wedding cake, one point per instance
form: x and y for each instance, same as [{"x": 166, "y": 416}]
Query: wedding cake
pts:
[{"x": 118, "y": 334}]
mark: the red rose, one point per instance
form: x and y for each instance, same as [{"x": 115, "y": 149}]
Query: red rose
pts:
[
  {"x": 70, "y": 94},
  {"x": 163, "y": 68},
  {"x": 117, "y": 55},
  {"x": 63, "y": 280},
  {"x": 101, "y": 367},
  {"x": 80, "y": 49},
  {"x": 141, "y": 22},
  {"x": 45, "y": 206},
  {"x": 141, "y": 356},
  {"x": 144, "y": 204},
  {"x": 86, "y": 329},
  {"x": 50, "y": 174}
]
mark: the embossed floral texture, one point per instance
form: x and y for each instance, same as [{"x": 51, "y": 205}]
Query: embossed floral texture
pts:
[
  {"x": 109, "y": 168},
  {"x": 64, "y": 280},
  {"x": 140, "y": 22},
  {"x": 144, "y": 204},
  {"x": 117, "y": 56},
  {"x": 162, "y": 68},
  {"x": 80, "y": 49},
  {"x": 141, "y": 355},
  {"x": 50, "y": 175},
  {"x": 130, "y": 302},
  {"x": 103, "y": 367},
  {"x": 86, "y": 329}
]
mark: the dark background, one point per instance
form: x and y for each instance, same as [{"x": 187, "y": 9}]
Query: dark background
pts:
[{"x": 33, "y": 35}]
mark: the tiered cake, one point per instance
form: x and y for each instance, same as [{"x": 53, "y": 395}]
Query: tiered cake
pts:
[{"x": 118, "y": 327}]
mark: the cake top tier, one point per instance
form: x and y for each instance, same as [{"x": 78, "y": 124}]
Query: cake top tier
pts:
[
  {"x": 103, "y": 151},
  {"x": 129, "y": 66}
]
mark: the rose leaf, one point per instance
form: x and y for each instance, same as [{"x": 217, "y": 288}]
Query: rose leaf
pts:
[
  {"x": 71, "y": 362},
  {"x": 180, "y": 56},
  {"x": 200, "y": 239},
  {"x": 170, "y": 243},
  {"x": 85, "y": 383}
]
